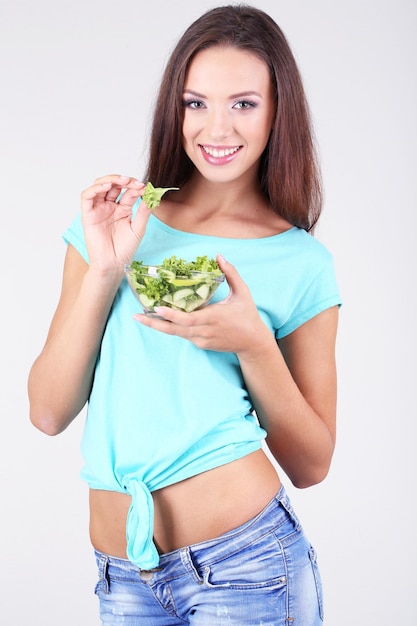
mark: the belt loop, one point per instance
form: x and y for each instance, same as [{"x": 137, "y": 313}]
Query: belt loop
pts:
[
  {"x": 187, "y": 561},
  {"x": 103, "y": 573},
  {"x": 286, "y": 504}
]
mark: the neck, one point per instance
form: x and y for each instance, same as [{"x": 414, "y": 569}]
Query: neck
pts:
[{"x": 221, "y": 198}]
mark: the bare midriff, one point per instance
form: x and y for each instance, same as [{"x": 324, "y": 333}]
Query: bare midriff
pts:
[{"x": 193, "y": 510}]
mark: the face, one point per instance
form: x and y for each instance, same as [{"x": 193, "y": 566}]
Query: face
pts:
[{"x": 228, "y": 113}]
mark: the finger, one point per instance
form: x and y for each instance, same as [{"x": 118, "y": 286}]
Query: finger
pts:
[
  {"x": 180, "y": 318},
  {"x": 103, "y": 185},
  {"x": 124, "y": 189},
  {"x": 140, "y": 220},
  {"x": 233, "y": 277},
  {"x": 125, "y": 196},
  {"x": 109, "y": 188},
  {"x": 179, "y": 324},
  {"x": 118, "y": 179},
  {"x": 157, "y": 323},
  {"x": 95, "y": 191}
]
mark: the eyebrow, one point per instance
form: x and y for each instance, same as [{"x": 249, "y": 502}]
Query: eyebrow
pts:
[{"x": 232, "y": 96}]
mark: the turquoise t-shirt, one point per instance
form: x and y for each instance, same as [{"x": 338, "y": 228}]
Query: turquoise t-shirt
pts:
[{"x": 162, "y": 410}]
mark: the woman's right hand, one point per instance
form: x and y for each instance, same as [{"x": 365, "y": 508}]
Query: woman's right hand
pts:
[{"x": 112, "y": 237}]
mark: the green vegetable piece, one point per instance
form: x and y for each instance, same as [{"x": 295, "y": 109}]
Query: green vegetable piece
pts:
[
  {"x": 153, "y": 195},
  {"x": 182, "y": 293},
  {"x": 203, "y": 291},
  {"x": 176, "y": 283},
  {"x": 147, "y": 302}
]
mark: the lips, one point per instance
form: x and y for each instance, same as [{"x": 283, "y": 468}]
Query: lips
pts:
[{"x": 219, "y": 155}]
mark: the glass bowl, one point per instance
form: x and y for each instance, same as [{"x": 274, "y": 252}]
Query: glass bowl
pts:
[{"x": 157, "y": 286}]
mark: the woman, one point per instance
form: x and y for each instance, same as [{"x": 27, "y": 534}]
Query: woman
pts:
[{"x": 189, "y": 519}]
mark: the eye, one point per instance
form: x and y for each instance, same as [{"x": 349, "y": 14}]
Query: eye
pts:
[
  {"x": 244, "y": 105},
  {"x": 193, "y": 104}
]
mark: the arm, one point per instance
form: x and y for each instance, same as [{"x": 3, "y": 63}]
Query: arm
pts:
[
  {"x": 292, "y": 386},
  {"x": 61, "y": 377},
  {"x": 294, "y": 393}
]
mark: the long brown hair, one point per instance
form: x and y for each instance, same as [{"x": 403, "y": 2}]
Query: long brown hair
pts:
[{"x": 289, "y": 173}]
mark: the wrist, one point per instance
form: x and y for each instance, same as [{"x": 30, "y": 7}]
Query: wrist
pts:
[
  {"x": 103, "y": 279},
  {"x": 262, "y": 345}
]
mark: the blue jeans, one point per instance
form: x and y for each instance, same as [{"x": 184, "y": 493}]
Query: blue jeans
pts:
[{"x": 263, "y": 572}]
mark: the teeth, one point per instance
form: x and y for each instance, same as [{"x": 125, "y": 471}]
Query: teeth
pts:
[{"x": 220, "y": 153}]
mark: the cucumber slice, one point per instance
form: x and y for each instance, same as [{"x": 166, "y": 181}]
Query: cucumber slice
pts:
[
  {"x": 193, "y": 304},
  {"x": 146, "y": 301},
  {"x": 180, "y": 304},
  {"x": 182, "y": 294},
  {"x": 203, "y": 291}
]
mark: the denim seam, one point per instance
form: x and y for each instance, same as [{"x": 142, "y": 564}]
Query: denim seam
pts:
[
  {"x": 314, "y": 566},
  {"x": 239, "y": 548},
  {"x": 288, "y": 619},
  {"x": 169, "y": 608}
]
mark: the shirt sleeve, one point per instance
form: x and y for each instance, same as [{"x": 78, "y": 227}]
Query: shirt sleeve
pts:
[
  {"x": 321, "y": 293},
  {"x": 74, "y": 235}
]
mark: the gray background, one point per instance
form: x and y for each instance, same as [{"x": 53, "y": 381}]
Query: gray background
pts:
[{"x": 78, "y": 81}]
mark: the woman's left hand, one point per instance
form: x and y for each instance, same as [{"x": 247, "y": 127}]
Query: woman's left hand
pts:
[{"x": 232, "y": 325}]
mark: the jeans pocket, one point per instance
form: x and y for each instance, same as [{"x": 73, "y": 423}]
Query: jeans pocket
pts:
[
  {"x": 258, "y": 565},
  {"x": 242, "y": 584},
  {"x": 317, "y": 579}
]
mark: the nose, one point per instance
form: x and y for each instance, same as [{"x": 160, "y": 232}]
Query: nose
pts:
[{"x": 218, "y": 123}]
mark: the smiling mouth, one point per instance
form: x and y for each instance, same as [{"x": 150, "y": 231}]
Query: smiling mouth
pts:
[{"x": 220, "y": 153}]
